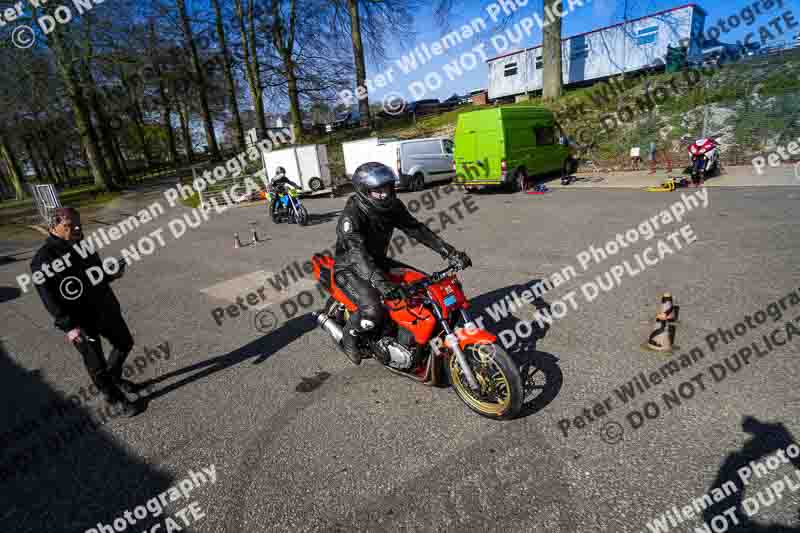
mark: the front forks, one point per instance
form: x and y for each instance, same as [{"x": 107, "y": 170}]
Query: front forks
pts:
[{"x": 451, "y": 340}]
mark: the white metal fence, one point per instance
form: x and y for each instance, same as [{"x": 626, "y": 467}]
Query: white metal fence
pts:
[{"x": 46, "y": 199}]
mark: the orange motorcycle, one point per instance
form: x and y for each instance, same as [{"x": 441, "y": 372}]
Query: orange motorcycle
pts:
[{"x": 430, "y": 337}]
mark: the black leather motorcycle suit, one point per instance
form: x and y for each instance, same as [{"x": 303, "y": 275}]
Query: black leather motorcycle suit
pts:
[{"x": 363, "y": 238}]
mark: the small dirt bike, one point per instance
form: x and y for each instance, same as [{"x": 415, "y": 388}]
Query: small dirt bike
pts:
[
  {"x": 421, "y": 338},
  {"x": 704, "y": 157},
  {"x": 287, "y": 206}
]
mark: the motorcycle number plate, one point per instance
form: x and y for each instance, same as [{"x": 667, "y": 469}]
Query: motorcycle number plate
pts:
[{"x": 450, "y": 300}]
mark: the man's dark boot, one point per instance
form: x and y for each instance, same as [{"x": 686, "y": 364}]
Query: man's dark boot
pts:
[
  {"x": 122, "y": 406},
  {"x": 115, "y": 367},
  {"x": 349, "y": 346}
]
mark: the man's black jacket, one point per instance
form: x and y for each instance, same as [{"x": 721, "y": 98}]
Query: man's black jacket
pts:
[
  {"x": 95, "y": 301},
  {"x": 363, "y": 238}
]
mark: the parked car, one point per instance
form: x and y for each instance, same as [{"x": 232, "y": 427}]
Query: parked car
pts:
[
  {"x": 349, "y": 119},
  {"x": 306, "y": 165},
  {"x": 416, "y": 162},
  {"x": 505, "y": 145}
]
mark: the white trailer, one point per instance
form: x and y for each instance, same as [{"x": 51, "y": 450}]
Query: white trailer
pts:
[
  {"x": 306, "y": 165},
  {"x": 356, "y": 153}
]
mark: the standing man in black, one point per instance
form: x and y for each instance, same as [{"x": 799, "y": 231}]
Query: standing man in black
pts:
[{"x": 85, "y": 311}]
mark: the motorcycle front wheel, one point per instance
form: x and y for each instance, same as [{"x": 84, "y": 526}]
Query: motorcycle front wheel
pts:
[
  {"x": 500, "y": 396},
  {"x": 302, "y": 215}
]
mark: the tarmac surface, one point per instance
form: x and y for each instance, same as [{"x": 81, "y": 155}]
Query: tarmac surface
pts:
[{"x": 301, "y": 440}]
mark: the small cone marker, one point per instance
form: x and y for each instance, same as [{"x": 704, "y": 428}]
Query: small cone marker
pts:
[
  {"x": 660, "y": 339},
  {"x": 236, "y": 242},
  {"x": 667, "y": 312}
]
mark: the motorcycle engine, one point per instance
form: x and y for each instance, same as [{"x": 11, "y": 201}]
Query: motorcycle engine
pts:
[{"x": 399, "y": 353}]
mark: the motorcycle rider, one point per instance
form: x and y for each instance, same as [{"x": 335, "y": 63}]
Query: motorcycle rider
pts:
[
  {"x": 279, "y": 186},
  {"x": 363, "y": 234}
]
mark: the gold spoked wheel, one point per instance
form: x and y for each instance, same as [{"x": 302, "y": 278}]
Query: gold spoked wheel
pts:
[{"x": 500, "y": 394}]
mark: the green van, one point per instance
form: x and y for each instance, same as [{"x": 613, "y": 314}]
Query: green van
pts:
[{"x": 505, "y": 145}]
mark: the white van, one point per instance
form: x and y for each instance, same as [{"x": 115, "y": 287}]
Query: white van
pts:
[
  {"x": 416, "y": 162},
  {"x": 306, "y": 165}
]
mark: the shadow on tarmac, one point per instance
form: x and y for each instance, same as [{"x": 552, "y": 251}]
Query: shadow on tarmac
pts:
[
  {"x": 767, "y": 440},
  {"x": 541, "y": 376},
  {"x": 259, "y": 350},
  {"x": 9, "y": 293},
  {"x": 60, "y": 468},
  {"x": 315, "y": 219}
]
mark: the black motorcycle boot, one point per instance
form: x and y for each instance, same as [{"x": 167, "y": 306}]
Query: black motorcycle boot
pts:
[{"x": 349, "y": 346}]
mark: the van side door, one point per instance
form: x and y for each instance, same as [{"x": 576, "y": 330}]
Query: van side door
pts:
[
  {"x": 548, "y": 151},
  {"x": 421, "y": 157},
  {"x": 447, "y": 160}
]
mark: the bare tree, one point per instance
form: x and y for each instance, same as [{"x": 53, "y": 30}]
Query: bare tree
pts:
[
  {"x": 233, "y": 100},
  {"x": 199, "y": 76}
]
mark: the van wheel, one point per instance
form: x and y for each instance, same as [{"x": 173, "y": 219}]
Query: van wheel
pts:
[
  {"x": 417, "y": 182},
  {"x": 520, "y": 180},
  {"x": 315, "y": 184}
]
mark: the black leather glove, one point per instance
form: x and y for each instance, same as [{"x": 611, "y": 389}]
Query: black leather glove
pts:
[{"x": 460, "y": 260}]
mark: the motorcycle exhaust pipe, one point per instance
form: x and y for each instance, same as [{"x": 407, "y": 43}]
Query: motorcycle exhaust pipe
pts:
[{"x": 333, "y": 329}]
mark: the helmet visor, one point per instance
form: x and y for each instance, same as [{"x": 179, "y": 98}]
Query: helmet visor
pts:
[{"x": 382, "y": 193}]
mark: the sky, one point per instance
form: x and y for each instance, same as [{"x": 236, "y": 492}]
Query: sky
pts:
[{"x": 593, "y": 14}]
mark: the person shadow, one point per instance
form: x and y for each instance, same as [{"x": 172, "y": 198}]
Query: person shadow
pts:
[
  {"x": 315, "y": 219},
  {"x": 9, "y": 293},
  {"x": 542, "y": 378},
  {"x": 259, "y": 351},
  {"x": 768, "y": 438},
  {"x": 63, "y": 466}
]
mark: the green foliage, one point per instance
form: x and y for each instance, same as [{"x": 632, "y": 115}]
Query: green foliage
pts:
[
  {"x": 781, "y": 82},
  {"x": 191, "y": 201}
]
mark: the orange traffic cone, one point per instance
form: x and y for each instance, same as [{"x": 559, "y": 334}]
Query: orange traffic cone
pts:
[{"x": 660, "y": 339}]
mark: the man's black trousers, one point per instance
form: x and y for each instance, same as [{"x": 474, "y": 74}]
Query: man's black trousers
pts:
[{"x": 112, "y": 326}]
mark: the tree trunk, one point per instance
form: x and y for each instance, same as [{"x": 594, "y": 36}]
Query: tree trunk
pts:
[
  {"x": 166, "y": 108},
  {"x": 106, "y": 134},
  {"x": 551, "y": 52},
  {"x": 252, "y": 66},
  {"x": 183, "y": 112},
  {"x": 226, "y": 63},
  {"x": 121, "y": 157},
  {"x": 205, "y": 111},
  {"x": 285, "y": 50},
  {"x": 294, "y": 99},
  {"x": 12, "y": 165},
  {"x": 135, "y": 113},
  {"x": 361, "y": 69},
  {"x": 80, "y": 111},
  {"x": 34, "y": 160}
]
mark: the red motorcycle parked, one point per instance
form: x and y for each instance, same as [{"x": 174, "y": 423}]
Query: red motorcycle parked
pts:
[
  {"x": 422, "y": 339},
  {"x": 704, "y": 157}
]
